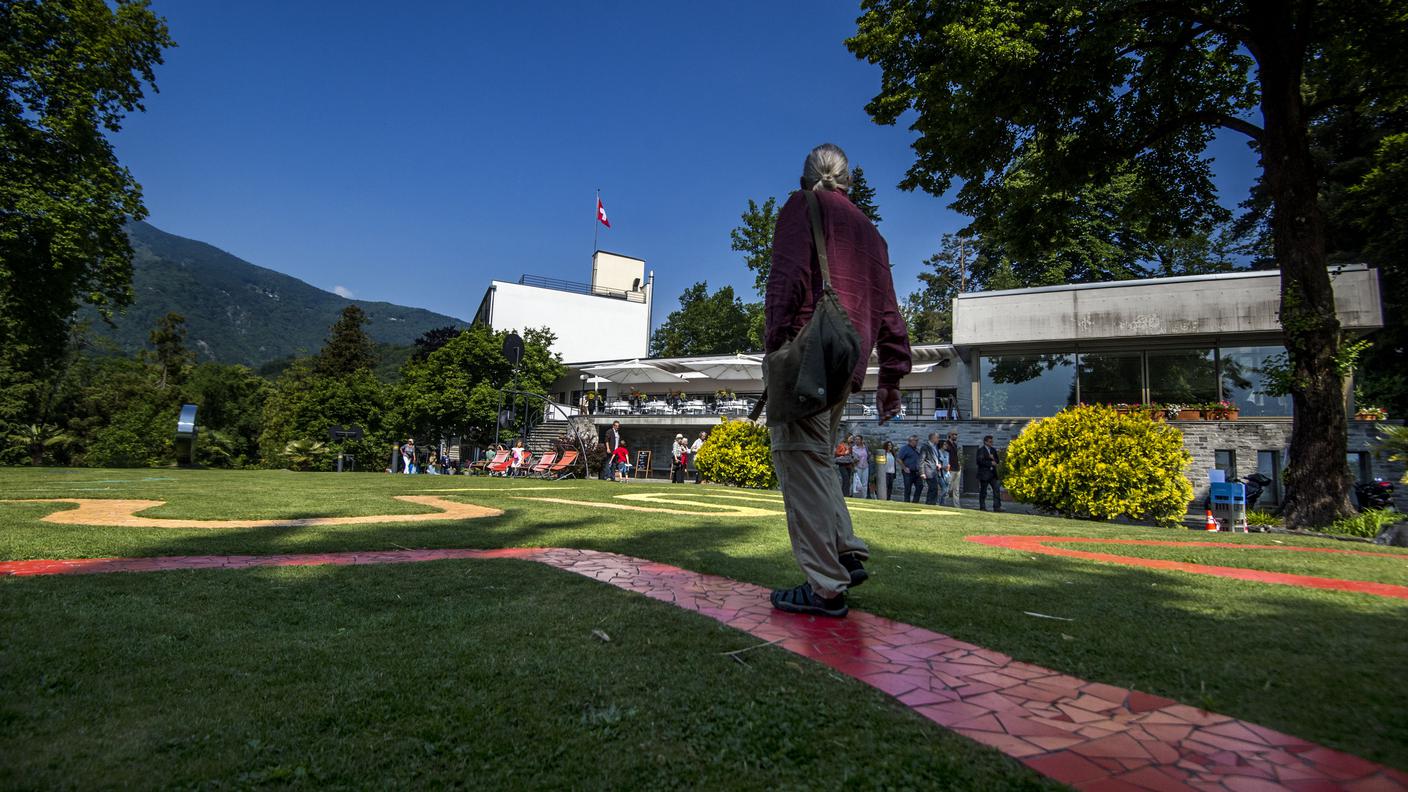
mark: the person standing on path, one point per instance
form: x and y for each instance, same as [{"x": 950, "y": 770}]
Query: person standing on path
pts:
[
  {"x": 935, "y": 462},
  {"x": 860, "y": 478},
  {"x": 845, "y": 463},
  {"x": 910, "y": 461},
  {"x": 825, "y": 546},
  {"x": 694, "y": 455},
  {"x": 988, "y": 460},
  {"x": 679, "y": 454},
  {"x": 611, "y": 438},
  {"x": 889, "y": 470},
  {"x": 955, "y": 464}
]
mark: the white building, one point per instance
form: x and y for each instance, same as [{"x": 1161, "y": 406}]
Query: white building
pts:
[{"x": 608, "y": 318}]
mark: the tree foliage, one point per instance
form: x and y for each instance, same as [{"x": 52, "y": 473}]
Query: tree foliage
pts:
[
  {"x": 863, "y": 195},
  {"x": 455, "y": 390},
  {"x": 348, "y": 348},
  {"x": 1051, "y": 97},
  {"x": 168, "y": 339},
  {"x": 71, "y": 70},
  {"x": 753, "y": 238},
  {"x": 704, "y": 324}
]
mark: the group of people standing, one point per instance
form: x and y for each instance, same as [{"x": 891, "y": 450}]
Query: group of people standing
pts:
[
  {"x": 932, "y": 469},
  {"x": 617, "y": 466}
]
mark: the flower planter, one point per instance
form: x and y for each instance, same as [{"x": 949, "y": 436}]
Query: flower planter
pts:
[
  {"x": 1366, "y": 417},
  {"x": 1190, "y": 415},
  {"x": 1220, "y": 415}
]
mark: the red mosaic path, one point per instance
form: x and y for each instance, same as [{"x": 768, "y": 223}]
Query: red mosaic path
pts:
[
  {"x": 1087, "y": 734},
  {"x": 1041, "y": 544}
]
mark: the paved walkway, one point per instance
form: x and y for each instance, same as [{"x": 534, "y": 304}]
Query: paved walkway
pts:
[{"x": 1087, "y": 734}]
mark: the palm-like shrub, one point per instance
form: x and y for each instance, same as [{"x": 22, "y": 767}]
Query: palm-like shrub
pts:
[
  {"x": 1394, "y": 440},
  {"x": 1090, "y": 462},
  {"x": 305, "y": 454},
  {"x": 738, "y": 452}
]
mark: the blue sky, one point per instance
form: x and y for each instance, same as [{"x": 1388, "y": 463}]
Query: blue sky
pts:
[{"x": 411, "y": 152}]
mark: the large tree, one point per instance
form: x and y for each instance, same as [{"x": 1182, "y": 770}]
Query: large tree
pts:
[
  {"x": 70, "y": 70},
  {"x": 753, "y": 238},
  {"x": 1071, "y": 93},
  {"x": 348, "y": 347},
  {"x": 705, "y": 324},
  {"x": 863, "y": 195}
]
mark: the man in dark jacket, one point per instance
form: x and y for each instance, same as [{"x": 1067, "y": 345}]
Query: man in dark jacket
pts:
[
  {"x": 910, "y": 460},
  {"x": 988, "y": 460},
  {"x": 611, "y": 438},
  {"x": 818, "y": 523}
]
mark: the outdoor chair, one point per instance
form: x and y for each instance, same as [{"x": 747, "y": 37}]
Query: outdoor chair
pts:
[
  {"x": 501, "y": 463},
  {"x": 484, "y": 465},
  {"x": 522, "y": 468},
  {"x": 544, "y": 463},
  {"x": 558, "y": 468}
]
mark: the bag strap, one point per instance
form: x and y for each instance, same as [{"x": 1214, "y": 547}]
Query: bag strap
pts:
[{"x": 818, "y": 238}]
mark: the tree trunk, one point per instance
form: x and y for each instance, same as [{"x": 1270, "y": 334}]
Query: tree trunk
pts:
[{"x": 1318, "y": 479}]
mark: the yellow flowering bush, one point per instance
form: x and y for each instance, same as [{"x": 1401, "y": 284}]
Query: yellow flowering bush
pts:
[
  {"x": 1090, "y": 462},
  {"x": 738, "y": 452}
]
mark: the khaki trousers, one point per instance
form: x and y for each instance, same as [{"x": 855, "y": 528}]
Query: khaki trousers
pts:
[{"x": 817, "y": 520}]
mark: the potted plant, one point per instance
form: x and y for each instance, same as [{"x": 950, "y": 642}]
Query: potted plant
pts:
[
  {"x": 1370, "y": 413},
  {"x": 1171, "y": 412},
  {"x": 1220, "y": 411}
]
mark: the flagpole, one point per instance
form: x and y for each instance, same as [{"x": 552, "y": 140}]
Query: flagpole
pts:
[{"x": 596, "y": 221}]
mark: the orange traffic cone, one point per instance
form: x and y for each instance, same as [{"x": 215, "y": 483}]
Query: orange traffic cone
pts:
[{"x": 1212, "y": 522}]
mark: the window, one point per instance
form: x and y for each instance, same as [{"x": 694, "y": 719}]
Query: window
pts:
[
  {"x": 1268, "y": 463},
  {"x": 1025, "y": 385},
  {"x": 1181, "y": 376},
  {"x": 913, "y": 403},
  {"x": 1243, "y": 381},
  {"x": 1111, "y": 378},
  {"x": 1225, "y": 459},
  {"x": 1359, "y": 467}
]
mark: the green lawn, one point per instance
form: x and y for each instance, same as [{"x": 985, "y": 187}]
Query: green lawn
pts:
[{"x": 447, "y": 672}]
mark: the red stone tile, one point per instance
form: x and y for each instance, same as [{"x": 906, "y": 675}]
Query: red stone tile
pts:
[
  {"x": 950, "y": 713},
  {"x": 1012, "y": 746},
  {"x": 1144, "y": 702},
  {"x": 1115, "y": 746},
  {"x": 1154, "y": 778},
  {"x": 1067, "y": 767},
  {"x": 1241, "y": 784},
  {"x": 1095, "y": 704},
  {"x": 1377, "y": 783},
  {"x": 986, "y": 723},
  {"x": 1053, "y": 743},
  {"x": 1339, "y": 765},
  {"x": 916, "y": 698}
]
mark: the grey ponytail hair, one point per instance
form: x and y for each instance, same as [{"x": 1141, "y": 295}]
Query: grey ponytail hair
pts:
[{"x": 826, "y": 168}]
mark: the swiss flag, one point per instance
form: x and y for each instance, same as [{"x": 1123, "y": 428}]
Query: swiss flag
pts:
[{"x": 601, "y": 213}]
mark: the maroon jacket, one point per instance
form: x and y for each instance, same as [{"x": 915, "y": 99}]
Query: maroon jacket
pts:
[{"x": 859, "y": 261}]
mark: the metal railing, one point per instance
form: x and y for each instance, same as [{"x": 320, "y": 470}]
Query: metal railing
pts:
[{"x": 576, "y": 287}]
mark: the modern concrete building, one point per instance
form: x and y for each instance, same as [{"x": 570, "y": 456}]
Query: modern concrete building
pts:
[
  {"x": 607, "y": 317},
  {"x": 1024, "y": 354}
]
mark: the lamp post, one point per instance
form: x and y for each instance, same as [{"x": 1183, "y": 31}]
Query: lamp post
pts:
[{"x": 583, "y": 403}]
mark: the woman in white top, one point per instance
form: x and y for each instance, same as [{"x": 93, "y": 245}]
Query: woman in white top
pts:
[{"x": 694, "y": 455}]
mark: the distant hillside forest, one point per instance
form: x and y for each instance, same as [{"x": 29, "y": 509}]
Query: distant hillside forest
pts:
[
  {"x": 107, "y": 408},
  {"x": 238, "y": 312}
]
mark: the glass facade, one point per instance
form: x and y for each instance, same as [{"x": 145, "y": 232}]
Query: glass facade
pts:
[
  {"x": 1032, "y": 386},
  {"x": 1182, "y": 376},
  {"x": 1243, "y": 380},
  {"x": 1026, "y": 385},
  {"x": 1111, "y": 378}
]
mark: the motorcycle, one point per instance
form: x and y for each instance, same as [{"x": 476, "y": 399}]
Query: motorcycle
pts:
[{"x": 1376, "y": 494}]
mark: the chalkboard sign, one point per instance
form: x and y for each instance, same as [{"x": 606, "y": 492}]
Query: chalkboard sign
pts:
[{"x": 642, "y": 464}]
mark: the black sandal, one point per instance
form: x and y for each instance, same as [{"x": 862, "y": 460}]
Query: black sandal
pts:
[
  {"x": 802, "y": 599},
  {"x": 854, "y": 564}
]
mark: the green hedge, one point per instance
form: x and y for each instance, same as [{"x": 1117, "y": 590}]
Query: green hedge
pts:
[
  {"x": 738, "y": 452},
  {"x": 1090, "y": 462}
]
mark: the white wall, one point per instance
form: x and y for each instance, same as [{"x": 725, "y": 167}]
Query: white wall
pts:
[
  {"x": 587, "y": 327},
  {"x": 617, "y": 272}
]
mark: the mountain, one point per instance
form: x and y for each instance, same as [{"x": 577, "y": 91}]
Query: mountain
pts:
[{"x": 238, "y": 312}]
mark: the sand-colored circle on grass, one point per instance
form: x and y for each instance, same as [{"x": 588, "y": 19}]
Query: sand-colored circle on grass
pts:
[{"x": 125, "y": 514}]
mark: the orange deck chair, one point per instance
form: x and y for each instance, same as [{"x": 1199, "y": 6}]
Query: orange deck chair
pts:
[
  {"x": 556, "y": 471},
  {"x": 484, "y": 464},
  {"x": 544, "y": 463}
]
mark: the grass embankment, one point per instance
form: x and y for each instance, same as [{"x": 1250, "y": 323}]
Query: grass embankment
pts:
[{"x": 437, "y": 672}]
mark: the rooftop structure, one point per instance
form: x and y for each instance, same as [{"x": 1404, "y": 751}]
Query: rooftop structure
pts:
[{"x": 607, "y": 317}]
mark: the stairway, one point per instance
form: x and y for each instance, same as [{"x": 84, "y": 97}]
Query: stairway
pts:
[{"x": 541, "y": 436}]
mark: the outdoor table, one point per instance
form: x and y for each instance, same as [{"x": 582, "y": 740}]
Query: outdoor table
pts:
[
  {"x": 693, "y": 408},
  {"x": 619, "y": 408}
]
